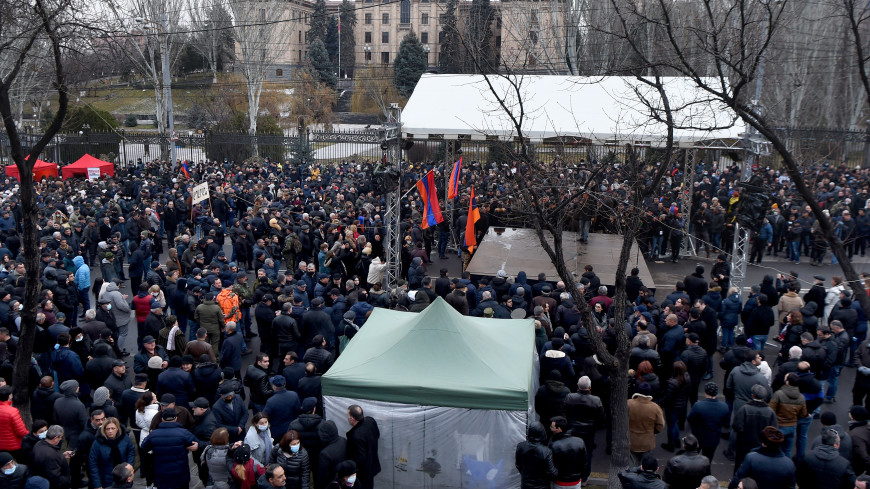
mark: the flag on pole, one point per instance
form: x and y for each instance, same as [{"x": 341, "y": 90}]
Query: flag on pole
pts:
[
  {"x": 453, "y": 189},
  {"x": 473, "y": 217},
  {"x": 431, "y": 209},
  {"x": 185, "y": 169}
]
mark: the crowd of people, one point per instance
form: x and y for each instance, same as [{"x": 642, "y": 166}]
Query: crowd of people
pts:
[{"x": 290, "y": 261}]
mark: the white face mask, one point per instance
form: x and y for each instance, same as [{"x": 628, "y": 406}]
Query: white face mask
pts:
[
  {"x": 9, "y": 471},
  {"x": 79, "y": 338},
  {"x": 20, "y": 307},
  {"x": 108, "y": 307},
  {"x": 41, "y": 436},
  {"x": 262, "y": 427},
  {"x": 351, "y": 480}
]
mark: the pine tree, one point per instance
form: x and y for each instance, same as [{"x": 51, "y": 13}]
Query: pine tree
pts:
[
  {"x": 450, "y": 47},
  {"x": 411, "y": 63},
  {"x": 331, "y": 40},
  {"x": 479, "y": 38},
  {"x": 319, "y": 23},
  {"x": 320, "y": 63},
  {"x": 348, "y": 43}
]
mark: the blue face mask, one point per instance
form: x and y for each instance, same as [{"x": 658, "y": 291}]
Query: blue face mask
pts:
[
  {"x": 9, "y": 471},
  {"x": 42, "y": 435},
  {"x": 351, "y": 480},
  {"x": 262, "y": 427},
  {"x": 295, "y": 448}
]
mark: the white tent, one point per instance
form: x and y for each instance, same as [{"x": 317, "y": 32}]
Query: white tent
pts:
[{"x": 602, "y": 110}]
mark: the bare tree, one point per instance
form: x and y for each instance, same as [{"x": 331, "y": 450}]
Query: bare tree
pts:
[
  {"x": 262, "y": 31},
  {"x": 141, "y": 27},
  {"x": 213, "y": 31},
  {"x": 723, "y": 51},
  {"x": 25, "y": 26}
]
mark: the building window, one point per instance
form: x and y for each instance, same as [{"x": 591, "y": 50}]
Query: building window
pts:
[
  {"x": 385, "y": 18},
  {"x": 405, "y": 12},
  {"x": 368, "y": 56},
  {"x": 533, "y": 35},
  {"x": 368, "y": 19},
  {"x": 424, "y": 37},
  {"x": 300, "y": 54},
  {"x": 385, "y": 37},
  {"x": 279, "y": 72},
  {"x": 368, "y": 37},
  {"x": 385, "y": 58},
  {"x": 424, "y": 19},
  {"x": 440, "y": 37},
  {"x": 300, "y": 36},
  {"x": 441, "y": 18}
]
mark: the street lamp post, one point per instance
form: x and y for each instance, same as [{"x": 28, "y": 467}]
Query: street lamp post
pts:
[
  {"x": 167, "y": 82},
  {"x": 368, "y": 51},
  {"x": 426, "y": 50}
]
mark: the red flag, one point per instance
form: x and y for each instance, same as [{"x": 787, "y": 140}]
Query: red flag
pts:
[
  {"x": 431, "y": 209},
  {"x": 473, "y": 217},
  {"x": 453, "y": 188}
]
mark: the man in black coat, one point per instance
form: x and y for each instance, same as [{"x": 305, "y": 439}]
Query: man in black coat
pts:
[
  {"x": 688, "y": 467},
  {"x": 695, "y": 359},
  {"x": 42, "y": 402},
  {"x": 707, "y": 418},
  {"x": 817, "y": 294},
  {"x": 696, "y": 285},
  {"x": 49, "y": 462},
  {"x": 265, "y": 315},
  {"x": 334, "y": 451},
  {"x": 230, "y": 411},
  {"x": 362, "y": 446},
  {"x": 569, "y": 453},
  {"x": 534, "y": 459},
  {"x": 824, "y": 467},
  {"x": 585, "y": 414},
  {"x": 257, "y": 380},
  {"x": 643, "y": 477},
  {"x": 307, "y": 425}
]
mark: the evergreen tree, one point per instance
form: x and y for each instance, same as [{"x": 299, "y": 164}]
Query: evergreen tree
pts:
[
  {"x": 479, "y": 38},
  {"x": 410, "y": 64},
  {"x": 450, "y": 47},
  {"x": 319, "y": 22},
  {"x": 331, "y": 39},
  {"x": 301, "y": 152},
  {"x": 348, "y": 43},
  {"x": 320, "y": 63}
]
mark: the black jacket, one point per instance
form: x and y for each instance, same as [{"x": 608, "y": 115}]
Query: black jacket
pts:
[
  {"x": 637, "y": 478},
  {"x": 49, "y": 462},
  {"x": 332, "y": 453},
  {"x": 257, "y": 380},
  {"x": 696, "y": 286},
  {"x": 685, "y": 470},
  {"x": 534, "y": 460},
  {"x": 569, "y": 457},
  {"x": 307, "y": 426},
  {"x": 17, "y": 479},
  {"x": 823, "y": 467},
  {"x": 204, "y": 426},
  {"x": 585, "y": 413},
  {"x": 362, "y": 447},
  {"x": 42, "y": 404}
]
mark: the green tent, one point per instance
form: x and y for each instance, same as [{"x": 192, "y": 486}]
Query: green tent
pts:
[{"x": 438, "y": 358}]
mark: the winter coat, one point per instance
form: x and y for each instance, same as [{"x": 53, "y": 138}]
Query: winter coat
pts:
[
  {"x": 169, "y": 444},
  {"x": 120, "y": 306},
  {"x": 17, "y": 479},
  {"x": 549, "y": 400},
  {"x": 70, "y": 413},
  {"x": 860, "y": 433},
  {"x": 209, "y": 316},
  {"x": 637, "y": 478},
  {"x": 333, "y": 452},
  {"x": 788, "y": 303},
  {"x": 297, "y": 466},
  {"x": 206, "y": 378},
  {"x": 49, "y": 462},
  {"x": 176, "y": 381},
  {"x": 232, "y": 416},
  {"x": 823, "y": 467},
  {"x": 306, "y": 425},
  {"x": 42, "y": 404},
  {"x": 770, "y": 468},
  {"x": 106, "y": 454},
  {"x": 707, "y": 418},
  {"x": 645, "y": 419},
  {"x": 760, "y": 320},
  {"x": 83, "y": 273},
  {"x": 216, "y": 459},
  {"x": 12, "y": 428},
  {"x": 740, "y": 382},
  {"x": 569, "y": 457},
  {"x": 748, "y": 422},
  {"x": 534, "y": 460},
  {"x": 685, "y": 470},
  {"x": 789, "y": 405},
  {"x": 282, "y": 408},
  {"x": 362, "y": 447},
  {"x": 676, "y": 395}
]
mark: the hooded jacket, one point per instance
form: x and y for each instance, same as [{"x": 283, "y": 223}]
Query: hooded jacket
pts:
[
  {"x": 333, "y": 452},
  {"x": 740, "y": 382},
  {"x": 83, "y": 273},
  {"x": 534, "y": 460},
  {"x": 823, "y": 467},
  {"x": 789, "y": 405}
]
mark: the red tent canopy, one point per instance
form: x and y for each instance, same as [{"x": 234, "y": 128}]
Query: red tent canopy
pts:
[
  {"x": 80, "y": 167},
  {"x": 41, "y": 170}
]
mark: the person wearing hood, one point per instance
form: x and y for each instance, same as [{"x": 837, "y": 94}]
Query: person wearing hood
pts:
[
  {"x": 362, "y": 308},
  {"x": 811, "y": 320},
  {"x": 550, "y": 398},
  {"x": 556, "y": 359},
  {"x": 729, "y": 317},
  {"x": 207, "y": 377},
  {"x": 534, "y": 459},
  {"x": 307, "y": 425},
  {"x": 83, "y": 281},
  {"x": 333, "y": 452},
  {"x": 420, "y": 301},
  {"x": 99, "y": 368},
  {"x": 179, "y": 304},
  {"x": 824, "y": 467},
  {"x": 695, "y": 284},
  {"x": 210, "y": 316},
  {"x": 741, "y": 380},
  {"x": 416, "y": 272},
  {"x": 111, "y": 447}
]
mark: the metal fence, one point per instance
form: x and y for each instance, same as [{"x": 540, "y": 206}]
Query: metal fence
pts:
[{"x": 809, "y": 145}]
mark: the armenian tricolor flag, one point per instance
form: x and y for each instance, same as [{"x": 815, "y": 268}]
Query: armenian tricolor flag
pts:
[
  {"x": 185, "y": 169},
  {"x": 431, "y": 209},
  {"x": 453, "y": 189},
  {"x": 473, "y": 217}
]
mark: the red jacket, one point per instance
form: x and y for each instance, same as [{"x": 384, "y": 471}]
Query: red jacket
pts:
[
  {"x": 12, "y": 429},
  {"x": 142, "y": 305}
]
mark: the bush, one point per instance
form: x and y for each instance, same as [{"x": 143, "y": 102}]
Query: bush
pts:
[{"x": 131, "y": 121}]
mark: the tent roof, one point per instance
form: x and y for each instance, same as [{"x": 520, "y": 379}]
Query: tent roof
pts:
[
  {"x": 437, "y": 358},
  {"x": 88, "y": 161},
  {"x": 12, "y": 170},
  {"x": 600, "y": 109}
]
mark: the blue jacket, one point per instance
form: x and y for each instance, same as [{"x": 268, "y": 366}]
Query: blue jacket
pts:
[
  {"x": 283, "y": 408},
  {"x": 169, "y": 444},
  {"x": 673, "y": 340},
  {"x": 770, "y": 469},
  {"x": 713, "y": 299},
  {"x": 336, "y": 310},
  {"x": 67, "y": 365},
  {"x": 231, "y": 352},
  {"x": 766, "y": 233},
  {"x": 361, "y": 309},
  {"x": 707, "y": 418},
  {"x": 178, "y": 383},
  {"x": 100, "y": 459},
  {"x": 729, "y": 316},
  {"x": 232, "y": 415},
  {"x": 83, "y": 273}
]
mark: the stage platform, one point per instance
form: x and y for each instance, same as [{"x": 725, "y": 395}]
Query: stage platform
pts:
[{"x": 516, "y": 249}]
